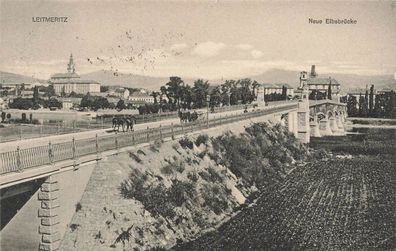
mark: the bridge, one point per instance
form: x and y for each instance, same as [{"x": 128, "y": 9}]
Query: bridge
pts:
[{"x": 56, "y": 173}]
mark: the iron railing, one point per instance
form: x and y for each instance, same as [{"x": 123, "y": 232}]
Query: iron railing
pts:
[{"x": 17, "y": 161}]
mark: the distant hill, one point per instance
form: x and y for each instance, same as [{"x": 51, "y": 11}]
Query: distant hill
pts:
[
  {"x": 111, "y": 78},
  {"x": 347, "y": 81},
  {"x": 8, "y": 77}
]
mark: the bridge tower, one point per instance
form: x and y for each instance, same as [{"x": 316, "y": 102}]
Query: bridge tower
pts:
[{"x": 303, "y": 125}]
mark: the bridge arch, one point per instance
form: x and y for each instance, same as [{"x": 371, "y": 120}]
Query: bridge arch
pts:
[
  {"x": 330, "y": 114},
  {"x": 320, "y": 116}
]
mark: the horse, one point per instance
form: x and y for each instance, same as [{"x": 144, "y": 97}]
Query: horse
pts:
[
  {"x": 184, "y": 116},
  {"x": 188, "y": 116},
  {"x": 117, "y": 122},
  {"x": 130, "y": 122}
]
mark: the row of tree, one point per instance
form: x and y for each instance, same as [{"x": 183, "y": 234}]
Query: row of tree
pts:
[
  {"x": 183, "y": 96},
  {"x": 372, "y": 105},
  {"x": 36, "y": 102}
]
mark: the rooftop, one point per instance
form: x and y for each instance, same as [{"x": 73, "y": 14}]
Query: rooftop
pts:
[
  {"x": 65, "y": 75},
  {"x": 322, "y": 81},
  {"x": 139, "y": 94},
  {"x": 74, "y": 80},
  {"x": 276, "y": 85}
]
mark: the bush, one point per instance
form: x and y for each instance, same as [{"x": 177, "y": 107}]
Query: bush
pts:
[
  {"x": 78, "y": 207},
  {"x": 157, "y": 199},
  {"x": 181, "y": 191},
  {"x": 154, "y": 198},
  {"x": 167, "y": 170},
  {"x": 135, "y": 157},
  {"x": 193, "y": 176},
  {"x": 176, "y": 147},
  {"x": 205, "y": 176},
  {"x": 215, "y": 199},
  {"x": 186, "y": 143},
  {"x": 141, "y": 152},
  {"x": 202, "y": 139},
  {"x": 156, "y": 145},
  {"x": 215, "y": 176}
]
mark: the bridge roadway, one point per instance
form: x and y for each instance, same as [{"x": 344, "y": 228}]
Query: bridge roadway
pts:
[
  {"x": 39, "y": 159},
  {"x": 27, "y": 143}
]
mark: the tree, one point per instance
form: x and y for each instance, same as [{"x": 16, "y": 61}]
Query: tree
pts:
[
  {"x": 87, "y": 101},
  {"x": 215, "y": 97},
  {"x": 174, "y": 90},
  {"x": 329, "y": 91},
  {"x": 244, "y": 90},
  {"x": 100, "y": 103},
  {"x": 186, "y": 96},
  {"x": 22, "y": 103},
  {"x": 155, "y": 95},
  {"x": 235, "y": 93},
  {"x": 53, "y": 102},
  {"x": 120, "y": 105},
  {"x": 371, "y": 100},
  {"x": 36, "y": 95},
  {"x": 226, "y": 92},
  {"x": 104, "y": 88},
  {"x": 362, "y": 106},
  {"x": 366, "y": 103},
  {"x": 351, "y": 106},
  {"x": 255, "y": 86},
  {"x": 284, "y": 92},
  {"x": 49, "y": 91},
  {"x": 199, "y": 93},
  {"x": 317, "y": 95}
]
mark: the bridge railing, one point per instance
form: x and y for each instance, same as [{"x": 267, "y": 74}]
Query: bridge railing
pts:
[{"x": 17, "y": 161}]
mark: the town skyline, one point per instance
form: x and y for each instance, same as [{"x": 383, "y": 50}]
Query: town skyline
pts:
[{"x": 210, "y": 40}]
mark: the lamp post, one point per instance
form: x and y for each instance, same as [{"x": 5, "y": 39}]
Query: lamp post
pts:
[{"x": 207, "y": 110}]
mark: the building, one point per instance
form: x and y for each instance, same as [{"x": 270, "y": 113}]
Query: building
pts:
[
  {"x": 268, "y": 89},
  {"x": 316, "y": 83},
  {"x": 70, "y": 102},
  {"x": 120, "y": 92},
  {"x": 3, "y": 104},
  {"x": 66, "y": 83},
  {"x": 141, "y": 98},
  {"x": 67, "y": 104}
]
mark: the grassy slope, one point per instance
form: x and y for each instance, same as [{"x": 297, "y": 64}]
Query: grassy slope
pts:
[
  {"x": 330, "y": 204},
  {"x": 158, "y": 196}
]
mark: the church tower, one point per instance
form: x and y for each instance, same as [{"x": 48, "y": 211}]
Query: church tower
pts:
[
  {"x": 303, "y": 127},
  {"x": 71, "y": 65},
  {"x": 303, "y": 79}
]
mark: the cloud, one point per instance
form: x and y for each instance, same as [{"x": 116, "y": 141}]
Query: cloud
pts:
[
  {"x": 208, "y": 49},
  {"x": 178, "y": 47},
  {"x": 244, "y": 47},
  {"x": 256, "y": 54}
]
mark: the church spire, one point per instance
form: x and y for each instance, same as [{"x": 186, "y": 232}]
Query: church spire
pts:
[{"x": 71, "y": 65}]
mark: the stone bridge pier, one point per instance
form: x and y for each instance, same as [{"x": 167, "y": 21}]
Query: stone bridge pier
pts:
[
  {"x": 43, "y": 219},
  {"x": 329, "y": 117},
  {"x": 48, "y": 213},
  {"x": 315, "y": 119}
]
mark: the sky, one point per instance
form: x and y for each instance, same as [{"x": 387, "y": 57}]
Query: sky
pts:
[{"x": 197, "y": 39}]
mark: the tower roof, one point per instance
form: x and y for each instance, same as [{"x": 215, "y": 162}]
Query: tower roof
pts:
[{"x": 71, "y": 66}]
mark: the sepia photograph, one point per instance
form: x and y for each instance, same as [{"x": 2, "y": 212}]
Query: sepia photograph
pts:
[{"x": 197, "y": 125}]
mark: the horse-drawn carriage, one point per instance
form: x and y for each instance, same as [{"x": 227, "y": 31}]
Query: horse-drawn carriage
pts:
[
  {"x": 125, "y": 122},
  {"x": 187, "y": 116}
]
